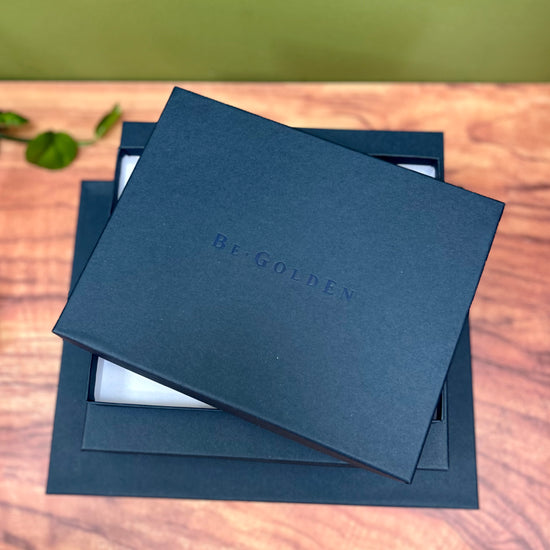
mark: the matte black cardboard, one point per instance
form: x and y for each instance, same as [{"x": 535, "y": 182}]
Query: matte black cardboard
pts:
[
  {"x": 303, "y": 286},
  {"x": 207, "y": 432},
  {"x": 74, "y": 471}
]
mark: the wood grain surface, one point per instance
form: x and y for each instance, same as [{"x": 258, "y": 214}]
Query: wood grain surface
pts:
[{"x": 497, "y": 142}]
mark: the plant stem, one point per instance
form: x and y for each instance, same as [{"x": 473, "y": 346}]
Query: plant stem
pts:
[
  {"x": 14, "y": 138},
  {"x": 82, "y": 143},
  {"x": 86, "y": 142}
]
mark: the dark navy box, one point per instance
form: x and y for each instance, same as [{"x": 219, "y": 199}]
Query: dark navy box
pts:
[
  {"x": 309, "y": 289},
  {"x": 208, "y": 432}
]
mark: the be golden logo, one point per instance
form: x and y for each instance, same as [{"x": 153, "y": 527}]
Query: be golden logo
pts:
[{"x": 263, "y": 260}]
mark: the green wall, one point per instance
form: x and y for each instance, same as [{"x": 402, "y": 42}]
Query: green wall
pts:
[{"x": 418, "y": 40}]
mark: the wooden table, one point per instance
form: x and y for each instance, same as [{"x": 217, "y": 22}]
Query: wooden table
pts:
[{"x": 497, "y": 142}]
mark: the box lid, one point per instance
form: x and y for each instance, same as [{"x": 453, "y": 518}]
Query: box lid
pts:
[{"x": 303, "y": 286}]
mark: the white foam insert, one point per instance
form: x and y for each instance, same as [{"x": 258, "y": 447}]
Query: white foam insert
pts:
[
  {"x": 127, "y": 165},
  {"x": 115, "y": 384},
  {"x": 425, "y": 169}
]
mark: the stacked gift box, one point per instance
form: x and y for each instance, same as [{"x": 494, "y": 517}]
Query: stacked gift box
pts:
[{"x": 269, "y": 313}]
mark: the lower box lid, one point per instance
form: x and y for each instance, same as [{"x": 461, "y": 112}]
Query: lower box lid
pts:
[{"x": 73, "y": 471}]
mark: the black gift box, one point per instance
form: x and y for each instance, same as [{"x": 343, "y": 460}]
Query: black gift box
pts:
[{"x": 305, "y": 287}]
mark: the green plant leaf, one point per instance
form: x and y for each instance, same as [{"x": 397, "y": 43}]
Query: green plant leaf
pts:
[
  {"x": 52, "y": 150},
  {"x": 108, "y": 121},
  {"x": 10, "y": 119}
]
